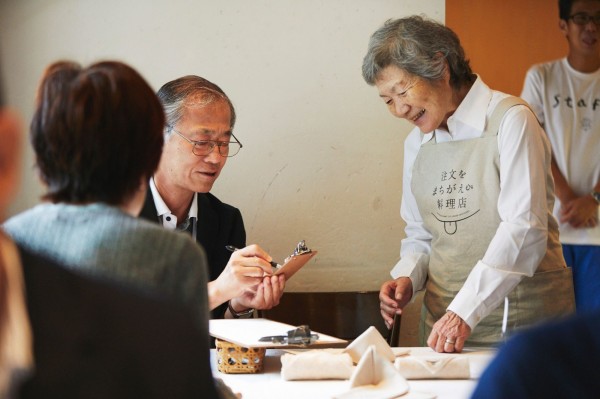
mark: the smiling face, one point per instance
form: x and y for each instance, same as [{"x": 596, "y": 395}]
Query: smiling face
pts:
[
  {"x": 425, "y": 104},
  {"x": 181, "y": 173},
  {"x": 583, "y": 39}
]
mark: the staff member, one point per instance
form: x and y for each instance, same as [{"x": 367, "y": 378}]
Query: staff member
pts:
[{"x": 477, "y": 197}]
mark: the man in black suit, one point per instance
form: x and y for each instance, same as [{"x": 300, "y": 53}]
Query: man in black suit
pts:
[
  {"x": 198, "y": 141},
  {"x": 63, "y": 335}
]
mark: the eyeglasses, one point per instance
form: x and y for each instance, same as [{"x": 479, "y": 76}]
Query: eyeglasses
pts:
[
  {"x": 204, "y": 147},
  {"x": 583, "y": 19}
]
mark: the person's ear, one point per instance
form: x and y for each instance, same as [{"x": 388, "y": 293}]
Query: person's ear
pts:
[
  {"x": 446, "y": 71},
  {"x": 144, "y": 183},
  {"x": 446, "y": 74},
  {"x": 563, "y": 26}
]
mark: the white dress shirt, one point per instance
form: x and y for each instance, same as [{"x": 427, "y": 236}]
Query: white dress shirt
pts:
[
  {"x": 164, "y": 214},
  {"x": 524, "y": 205}
]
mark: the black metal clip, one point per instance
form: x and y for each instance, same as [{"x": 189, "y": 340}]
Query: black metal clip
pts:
[{"x": 299, "y": 336}]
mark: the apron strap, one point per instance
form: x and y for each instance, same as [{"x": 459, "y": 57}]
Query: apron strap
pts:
[{"x": 493, "y": 122}]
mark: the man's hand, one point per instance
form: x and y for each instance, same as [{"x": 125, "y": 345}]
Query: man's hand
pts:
[
  {"x": 580, "y": 212},
  {"x": 243, "y": 274},
  {"x": 266, "y": 295},
  {"x": 393, "y": 296}
]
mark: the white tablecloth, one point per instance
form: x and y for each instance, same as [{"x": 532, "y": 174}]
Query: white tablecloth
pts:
[{"x": 269, "y": 384}]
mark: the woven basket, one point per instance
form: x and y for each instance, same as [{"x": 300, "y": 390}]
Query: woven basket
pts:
[{"x": 235, "y": 359}]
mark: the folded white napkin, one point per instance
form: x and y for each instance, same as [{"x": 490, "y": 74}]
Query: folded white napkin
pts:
[
  {"x": 316, "y": 365},
  {"x": 371, "y": 337},
  {"x": 434, "y": 367},
  {"x": 375, "y": 377}
]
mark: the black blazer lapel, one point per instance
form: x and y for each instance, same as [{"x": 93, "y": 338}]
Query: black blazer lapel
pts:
[
  {"x": 208, "y": 227},
  {"x": 149, "y": 210}
]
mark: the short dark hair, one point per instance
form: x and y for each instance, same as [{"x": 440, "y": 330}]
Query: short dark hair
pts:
[
  {"x": 564, "y": 8},
  {"x": 190, "y": 89},
  {"x": 96, "y": 132}
]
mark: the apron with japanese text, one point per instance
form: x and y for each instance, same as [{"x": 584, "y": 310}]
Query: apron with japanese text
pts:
[{"x": 457, "y": 185}]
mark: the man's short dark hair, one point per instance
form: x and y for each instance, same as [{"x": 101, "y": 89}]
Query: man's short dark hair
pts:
[{"x": 564, "y": 8}]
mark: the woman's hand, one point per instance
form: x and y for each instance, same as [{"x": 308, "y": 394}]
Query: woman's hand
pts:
[
  {"x": 449, "y": 334},
  {"x": 393, "y": 296}
]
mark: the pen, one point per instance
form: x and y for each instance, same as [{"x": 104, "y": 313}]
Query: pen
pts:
[{"x": 232, "y": 249}]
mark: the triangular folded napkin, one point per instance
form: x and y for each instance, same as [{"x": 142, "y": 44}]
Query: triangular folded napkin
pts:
[
  {"x": 316, "y": 365},
  {"x": 375, "y": 377},
  {"x": 434, "y": 367},
  {"x": 371, "y": 337}
]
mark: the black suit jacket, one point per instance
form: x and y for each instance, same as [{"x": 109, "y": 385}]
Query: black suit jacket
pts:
[
  {"x": 93, "y": 339},
  {"x": 219, "y": 224}
]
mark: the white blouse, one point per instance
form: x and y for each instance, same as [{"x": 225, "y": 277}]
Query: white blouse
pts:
[{"x": 524, "y": 205}]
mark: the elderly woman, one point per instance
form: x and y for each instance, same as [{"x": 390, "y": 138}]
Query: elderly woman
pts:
[{"x": 477, "y": 197}]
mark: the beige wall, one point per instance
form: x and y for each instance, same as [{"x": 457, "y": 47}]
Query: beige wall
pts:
[{"x": 322, "y": 158}]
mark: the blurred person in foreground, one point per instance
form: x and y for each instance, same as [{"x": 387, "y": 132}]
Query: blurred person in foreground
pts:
[
  {"x": 64, "y": 335},
  {"x": 477, "y": 197},
  {"x": 565, "y": 96},
  {"x": 199, "y": 140},
  {"x": 554, "y": 360}
]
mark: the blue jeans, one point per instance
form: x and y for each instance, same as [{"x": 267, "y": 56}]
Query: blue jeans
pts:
[{"x": 585, "y": 261}]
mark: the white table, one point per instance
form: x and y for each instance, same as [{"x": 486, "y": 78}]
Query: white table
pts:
[{"x": 269, "y": 384}]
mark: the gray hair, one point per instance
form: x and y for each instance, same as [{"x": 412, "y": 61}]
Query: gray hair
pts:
[
  {"x": 418, "y": 46},
  {"x": 189, "y": 91}
]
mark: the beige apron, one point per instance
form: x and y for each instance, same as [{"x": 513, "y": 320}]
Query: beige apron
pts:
[{"x": 457, "y": 185}]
